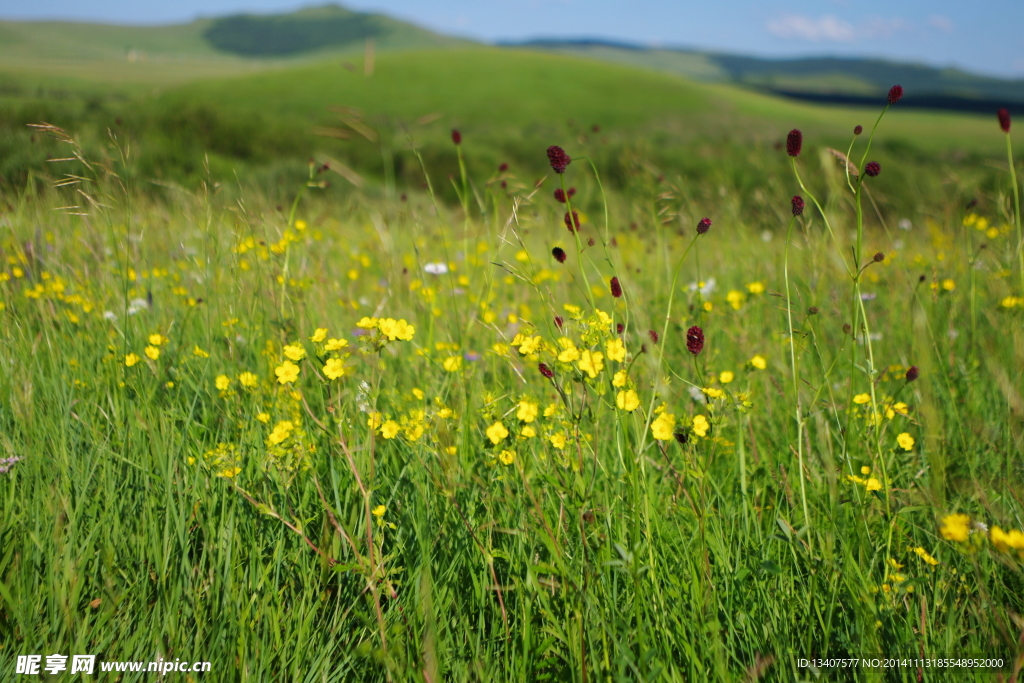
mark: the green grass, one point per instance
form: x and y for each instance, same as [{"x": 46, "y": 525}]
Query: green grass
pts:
[{"x": 154, "y": 514}]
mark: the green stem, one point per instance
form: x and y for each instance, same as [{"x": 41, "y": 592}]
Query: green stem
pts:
[{"x": 796, "y": 382}]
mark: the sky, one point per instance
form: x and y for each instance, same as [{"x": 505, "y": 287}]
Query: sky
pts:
[{"x": 985, "y": 36}]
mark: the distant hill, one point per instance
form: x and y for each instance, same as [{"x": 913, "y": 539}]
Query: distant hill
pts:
[
  {"x": 314, "y": 29},
  {"x": 821, "y": 79}
]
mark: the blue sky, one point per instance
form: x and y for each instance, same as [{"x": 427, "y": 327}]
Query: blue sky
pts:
[{"x": 986, "y": 36}]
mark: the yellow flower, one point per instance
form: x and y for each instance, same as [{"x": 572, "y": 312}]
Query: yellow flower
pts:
[
  {"x": 281, "y": 432},
  {"x": 713, "y": 393},
  {"x": 873, "y": 484},
  {"x": 527, "y": 411},
  {"x": 954, "y": 527},
  {"x": 755, "y": 287},
  {"x": 374, "y": 420},
  {"x": 157, "y": 339},
  {"x": 1005, "y": 541},
  {"x": 223, "y": 382},
  {"x": 389, "y": 429},
  {"x": 445, "y": 413},
  {"x": 507, "y": 457},
  {"x": 701, "y": 425},
  {"x": 726, "y": 376},
  {"x": 294, "y": 352},
  {"x": 319, "y": 335},
  {"x": 948, "y": 284},
  {"x": 620, "y": 379},
  {"x": 418, "y": 394},
  {"x": 735, "y": 299},
  {"x": 263, "y": 417},
  {"x": 906, "y": 441},
  {"x": 335, "y": 344},
  {"x": 497, "y": 433},
  {"x": 923, "y": 554},
  {"x": 300, "y": 225},
  {"x": 248, "y": 380},
  {"x": 287, "y": 372},
  {"x": 396, "y": 329},
  {"x": 615, "y": 349},
  {"x": 759, "y": 362},
  {"x": 379, "y": 510},
  {"x": 529, "y": 345},
  {"x": 865, "y": 470},
  {"x": 527, "y": 432},
  {"x": 862, "y": 398},
  {"x": 229, "y": 472},
  {"x": 569, "y": 351},
  {"x": 152, "y": 352},
  {"x": 199, "y": 353},
  {"x": 550, "y": 409},
  {"x": 334, "y": 368},
  {"x": 367, "y": 323},
  {"x": 452, "y": 363},
  {"x": 557, "y": 440},
  {"x": 131, "y": 359},
  {"x": 664, "y": 427},
  {"x": 627, "y": 400},
  {"x": 591, "y": 362}
]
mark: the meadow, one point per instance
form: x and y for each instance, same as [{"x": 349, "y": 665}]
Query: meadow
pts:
[{"x": 662, "y": 393}]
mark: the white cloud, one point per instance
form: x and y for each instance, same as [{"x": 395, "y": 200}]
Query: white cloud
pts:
[
  {"x": 940, "y": 22},
  {"x": 827, "y": 28},
  {"x": 832, "y": 29}
]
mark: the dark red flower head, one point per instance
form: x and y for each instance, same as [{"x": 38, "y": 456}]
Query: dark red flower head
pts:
[
  {"x": 559, "y": 254},
  {"x": 619, "y": 328},
  {"x": 559, "y": 321},
  {"x": 704, "y": 225},
  {"x": 895, "y": 93},
  {"x": 456, "y": 136},
  {"x": 560, "y": 194},
  {"x": 912, "y": 373},
  {"x": 682, "y": 436},
  {"x": 857, "y": 130},
  {"x": 794, "y": 141},
  {"x": 616, "y": 287},
  {"x": 572, "y": 223},
  {"x": 798, "y": 205},
  {"x": 653, "y": 335},
  {"x": 502, "y": 168},
  {"x": 695, "y": 340},
  {"x": 879, "y": 257},
  {"x": 872, "y": 169},
  {"x": 558, "y": 158},
  {"x": 1004, "y": 119},
  {"x": 545, "y": 370}
]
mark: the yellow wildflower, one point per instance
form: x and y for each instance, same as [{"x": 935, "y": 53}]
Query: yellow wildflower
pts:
[
  {"x": 527, "y": 432},
  {"x": 873, "y": 484},
  {"x": 906, "y": 441},
  {"x": 620, "y": 379},
  {"x": 725, "y": 376},
  {"x": 861, "y": 399},
  {"x": 222, "y": 382},
  {"x": 557, "y": 440},
  {"x": 755, "y": 287},
  {"x": 152, "y": 352},
  {"x": 1005, "y": 541},
  {"x": 131, "y": 359},
  {"x": 379, "y": 510},
  {"x": 199, "y": 353},
  {"x": 263, "y": 417},
  {"x": 591, "y": 362},
  {"x": 529, "y": 345},
  {"x": 954, "y": 527},
  {"x": 497, "y": 433},
  {"x": 701, "y": 425},
  {"x": 367, "y": 323},
  {"x": 319, "y": 335},
  {"x": 157, "y": 339},
  {"x": 923, "y": 554},
  {"x": 507, "y": 457},
  {"x": 287, "y": 372},
  {"x": 527, "y": 411},
  {"x": 396, "y": 329},
  {"x": 759, "y": 362},
  {"x": 713, "y": 393},
  {"x": 374, "y": 421},
  {"x": 335, "y": 344},
  {"x": 569, "y": 351},
  {"x": 616, "y": 350},
  {"x": 334, "y": 368},
  {"x": 627, "y": 400},
  {"x": 281, "y": 432},
  {"x": 452, "y": 363},
  {"x": 664, "y": 427},
  {"x": 389, "y": 429},
  {"x": 248, "y": 380},
  {"x": 294, "y": 352}
]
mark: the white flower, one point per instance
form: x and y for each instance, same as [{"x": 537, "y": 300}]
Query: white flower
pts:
[
  {"x": 705, "y": 287},
  {"x": 136, "y": 305},
  {"x": 109, "y": 315},
  {"x": 696, "y": 394},
  {"x": 905, "y": 224},
  {"x": 766, "y": 236},
  {"x": 436, "y": 268}
]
